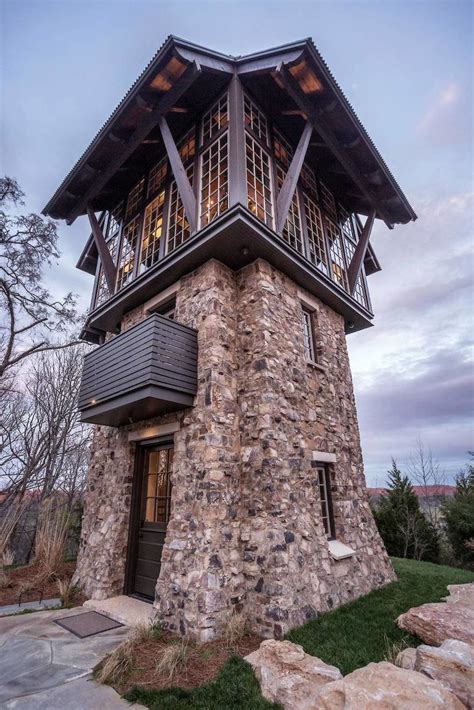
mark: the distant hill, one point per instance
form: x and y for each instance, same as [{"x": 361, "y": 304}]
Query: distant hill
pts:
[{"x": 421, "y": 491}]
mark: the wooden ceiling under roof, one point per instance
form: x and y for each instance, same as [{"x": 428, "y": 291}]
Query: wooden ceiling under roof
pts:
[{"x": 292, "y": 83}]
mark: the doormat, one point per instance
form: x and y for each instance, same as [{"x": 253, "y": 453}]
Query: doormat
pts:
[{"x": 88, "y": 624}]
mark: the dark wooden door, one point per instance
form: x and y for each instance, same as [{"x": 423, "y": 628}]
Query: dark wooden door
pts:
[{"x": 151, "y": 519}]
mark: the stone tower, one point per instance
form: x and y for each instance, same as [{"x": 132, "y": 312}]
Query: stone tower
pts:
[{"x": 231, "y": 202}]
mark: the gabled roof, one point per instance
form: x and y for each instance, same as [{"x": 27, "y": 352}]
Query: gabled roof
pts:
[{"x": 192, "y": 75}]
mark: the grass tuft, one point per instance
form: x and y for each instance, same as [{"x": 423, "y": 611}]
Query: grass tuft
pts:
[
  {"x": 172, "y": 658},
  {"x": 236, "y": 628},
  {"x": 117, "y": 666}
]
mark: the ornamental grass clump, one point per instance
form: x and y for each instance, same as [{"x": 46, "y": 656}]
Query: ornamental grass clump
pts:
[
  {"x": 50, "y": 540},
  {"x": 172, "y": 658}
]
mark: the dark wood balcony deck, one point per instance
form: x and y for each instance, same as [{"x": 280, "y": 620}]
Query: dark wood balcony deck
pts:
[{"x": 148, "y": 370}]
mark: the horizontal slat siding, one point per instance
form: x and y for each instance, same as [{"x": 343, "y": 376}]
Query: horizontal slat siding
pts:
[{"x": 157, "y": 351}]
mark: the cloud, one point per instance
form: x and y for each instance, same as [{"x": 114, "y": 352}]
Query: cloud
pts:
[{"x": 446, "y": 120}]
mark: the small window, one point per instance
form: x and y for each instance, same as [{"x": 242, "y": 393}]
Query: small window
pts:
[
  {"x": 308, "y": 336},
  {"x": 166, "y": 309},
  {"x": 324, "y": 484}
]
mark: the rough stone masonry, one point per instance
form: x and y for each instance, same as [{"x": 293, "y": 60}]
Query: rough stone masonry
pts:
[{"x": 245, "y": 531}]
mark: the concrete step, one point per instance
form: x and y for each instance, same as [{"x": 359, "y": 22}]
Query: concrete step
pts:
[{"x": 125, "y": 610}]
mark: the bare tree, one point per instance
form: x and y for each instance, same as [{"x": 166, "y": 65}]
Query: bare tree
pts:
[
  {"x": 426, "y": 472},
  {"x": 29, "y": 315},
  {"x": 44, "y": 445}
]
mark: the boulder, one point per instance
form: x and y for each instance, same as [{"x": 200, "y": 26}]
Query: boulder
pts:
[
  {"x": 461, "y": 594},
  {"x": 406, "y": 659},
  {"x": 452, "y": 664},
  {"x": 435, "y": 623},
  {"x": 289, "y": 676},
  {"x": 383, "y": 686}
]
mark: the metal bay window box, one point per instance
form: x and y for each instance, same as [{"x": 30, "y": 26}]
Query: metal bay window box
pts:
[{"x": 146, "y": 371}]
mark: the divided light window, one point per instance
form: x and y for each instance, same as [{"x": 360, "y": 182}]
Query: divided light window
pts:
[
  {"x": 336, "y": 254},
  {"x": 111, "y": 226},
  {"x": 255, "y": 120},
  {"x": 215, "y": 119},
  {"x": 314, "y": 226},
  {"x": 152, "y": 232},
  {"x": 324, "y": 485},
  {"x": 214, "y": 180},
  {"x": 292, "y": 229},
  {"x": 308, "y": 335},
  {"x": 178, "y": 226},
  {"x": 259, "y": 185},
  {"x": 127, "y": 252},
  {"x": 134, "y": 199}
]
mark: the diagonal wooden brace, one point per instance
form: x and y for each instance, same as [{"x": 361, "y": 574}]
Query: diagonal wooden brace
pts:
[
  {"x": 110, "y": 270},
  {"x": 185, "y": 190},
  {"x": 353, "y": 272},
  {"x": 290, "y": 182}
]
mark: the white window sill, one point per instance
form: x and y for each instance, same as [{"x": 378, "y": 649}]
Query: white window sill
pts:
[
  {"x": 339, "y": 551},
  {"x": 316, "y": 365}
]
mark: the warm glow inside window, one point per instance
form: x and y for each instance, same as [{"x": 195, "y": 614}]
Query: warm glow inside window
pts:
[
  {"x": 255, "y": 120},
  {"x": 134, "y": 198},
  {"x": 324, "y": 485},
  {"x": 158, "y": 486},
  {"x": 314, "y": 225},
  {"x": 336, "y": 254},
  {"x": 157, "y": 177},
  {"x": 292, "y": 229},
  {"x": 152, "y": 232},
  {"x": 308, "y": 336},
  {"x": 187, "y": 146},
  {"x": 214, "y": 180},
  {"x": 282, "y": 149},
  {"x": 259, "y": 186},
  {"x": 215, "y": 119},
  {"x": 178, "y": 226},
  {"x": 127, "y": 252}
]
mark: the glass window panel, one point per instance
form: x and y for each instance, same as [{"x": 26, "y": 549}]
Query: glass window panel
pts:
[
  {"x": 308, "y": 181},
  {"x": 308, "y": 336},
  {"x": 360, "y": 289},
  {"x": 336, "y": 254},
  {"x": 259, "y": 186},
  {"x": 345, "y": 222},
  {"x": 324, "y": 485},
  {"x": 127, "y": 254},
  {"x": 152, "y": 231},
  {"x": 317, "y": 246},
  {"x": 115, "y": 221},
  {"x": 214, "y": 180},
  {"x": 292, "y": 229},
  {"x": 255, "y": 120},
  {"x": 328, "y": 201},
  {"x": 178, "y": 227},
  {"x": 215, "y": 119},
  {"x": 134, "y": 198},
  {"x": 282, "y": 149},
  {"x": 150, "y": 510},
  {"x": 157, "y": 177},
  {"x": 187, "y": 146}
]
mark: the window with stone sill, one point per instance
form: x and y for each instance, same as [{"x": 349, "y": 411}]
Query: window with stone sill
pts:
[
  {"x": 325, "y": 499},
  {"x": 308, "y": 335}
]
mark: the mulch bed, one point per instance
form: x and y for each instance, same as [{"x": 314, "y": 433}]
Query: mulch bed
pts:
[
  {"x": 202, "y": 665},
  {"x": 20, "y": 577}
]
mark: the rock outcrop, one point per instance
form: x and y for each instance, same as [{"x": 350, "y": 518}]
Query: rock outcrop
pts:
[
  {"x": 461, "y": 594},
  {"x": 288, "y": 675},
  {"x": 452, "y": 664},
  {"x": 435, "y": 623},
  {"x": 380, "y": 686}
]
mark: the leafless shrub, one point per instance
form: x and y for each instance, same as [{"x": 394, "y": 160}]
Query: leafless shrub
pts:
[
  {"x": 117, "y": 666},
  {"x": 236, "y": 628},
  {"x": 7, "y": 526},
  {"x": 172, "y": 658},
  {"x": 51, "y": 535}
]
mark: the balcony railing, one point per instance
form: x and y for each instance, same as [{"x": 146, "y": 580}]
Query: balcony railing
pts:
[{"x": 148, "y": 370}]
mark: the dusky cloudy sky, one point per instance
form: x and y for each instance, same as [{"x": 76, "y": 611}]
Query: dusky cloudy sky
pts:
[{"x": 406, "y": 67}]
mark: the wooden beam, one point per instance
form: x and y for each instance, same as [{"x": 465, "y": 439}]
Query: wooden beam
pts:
[
  {"x": 237, "y": 158},
  {"x": 290, "y": 182},
  {"x": 185, "y": 190},
  {"x": 353, "y": 272},
  {"x": 110, "y": 270},
  {"x": 322, "y": 126},
  {"x": 148, "y": 124}
]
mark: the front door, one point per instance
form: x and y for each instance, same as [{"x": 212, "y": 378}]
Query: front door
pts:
[{"x": 151, "y": 515}]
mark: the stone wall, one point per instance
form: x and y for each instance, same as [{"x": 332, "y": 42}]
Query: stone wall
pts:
[{"x": 245, "y": 529}]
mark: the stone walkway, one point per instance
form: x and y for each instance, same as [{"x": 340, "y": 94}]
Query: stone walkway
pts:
[{"x": 45, "y": 667}]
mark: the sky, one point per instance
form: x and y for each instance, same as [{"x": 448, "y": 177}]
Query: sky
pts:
[{"x": 406, "y": 67}]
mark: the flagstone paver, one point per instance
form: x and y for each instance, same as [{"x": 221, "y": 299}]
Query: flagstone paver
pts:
[{"x": 44, "y": 666}]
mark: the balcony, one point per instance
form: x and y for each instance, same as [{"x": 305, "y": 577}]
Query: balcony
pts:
[{"x": 148, "y": 370}]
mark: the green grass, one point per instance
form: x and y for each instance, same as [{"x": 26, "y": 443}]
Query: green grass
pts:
[
  {"x": 349, "y": 637},
  {"x": 360, "y": 632},
  {"x": 235, "y": 688}
]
